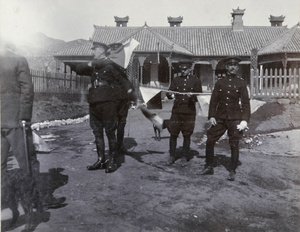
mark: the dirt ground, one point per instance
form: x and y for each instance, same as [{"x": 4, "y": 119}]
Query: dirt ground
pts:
[{"x": 146, "y": 195}]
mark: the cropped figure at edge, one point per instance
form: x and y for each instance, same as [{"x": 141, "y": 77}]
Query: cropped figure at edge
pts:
[
  {"x": 105, "y": 78},
  {"x": 229, "y": 109},
  {"x": 17, "y": 96},
  {"x": 184, "y": 109}
]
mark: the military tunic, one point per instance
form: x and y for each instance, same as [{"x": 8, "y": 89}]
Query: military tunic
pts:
[
  {"x": 229, "y": 105},
  {"x": 17, "y": 96},
  {"x": 184, "y": 109},
  {"x": 230, "y": 100},
  {"x": 106, "y": 82}
]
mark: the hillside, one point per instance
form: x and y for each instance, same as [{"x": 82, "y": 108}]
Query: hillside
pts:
[{"x": 39, "y": 52}]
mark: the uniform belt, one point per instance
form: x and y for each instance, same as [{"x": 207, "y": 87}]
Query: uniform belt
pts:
[{"x": 98, "y": 83}]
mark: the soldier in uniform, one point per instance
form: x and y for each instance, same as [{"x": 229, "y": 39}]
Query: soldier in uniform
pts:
[
  {"x": 229, "y": 109},
  {"x": 123, "y": 100},
  {"x": 184, "y": 109},
  {"x": 105, "y": 78},
  {"x": 17, "y": 97}
]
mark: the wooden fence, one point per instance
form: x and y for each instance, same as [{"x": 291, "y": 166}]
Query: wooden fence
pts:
[
  {"x": 263, "y": 84},
  {"x": 46, "y": 82},
  {"x": 275, "y": 83}
]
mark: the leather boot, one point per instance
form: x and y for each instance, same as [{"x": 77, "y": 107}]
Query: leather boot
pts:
[
  {"x": 101, "y": 162},
  {"x": 208, "y": 170},
  {"x": 234, "y": 147},
  {"x": 172, "y": 144},
  {"x": 231, "y": 176},
  {"x": 112, "y": 165},
  {"x": 186, "y": 149}
]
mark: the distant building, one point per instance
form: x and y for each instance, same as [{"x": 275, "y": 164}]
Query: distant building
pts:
[{"x": 154, "y": 61}]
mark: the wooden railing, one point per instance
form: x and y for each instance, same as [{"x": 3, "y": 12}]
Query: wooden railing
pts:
[
  {"x": 46, "y": 82},
  {"x": 275, "y": 83}
]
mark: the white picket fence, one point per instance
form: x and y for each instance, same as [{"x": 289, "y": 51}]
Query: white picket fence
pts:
[{"x": 275, "y": 83}]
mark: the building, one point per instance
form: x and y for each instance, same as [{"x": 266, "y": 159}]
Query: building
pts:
[{"x": 154, "y": 61}]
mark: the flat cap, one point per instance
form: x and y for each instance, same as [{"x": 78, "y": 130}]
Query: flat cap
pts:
[
  {"x": 233, "y": 59},
  {"x": 98, "y": 45},
  {"x": 185, "y": 63}
]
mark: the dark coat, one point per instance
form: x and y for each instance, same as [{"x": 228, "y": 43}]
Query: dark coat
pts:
[
  {"x": 107, "y": 80},
  {"x": 17, "y": 92},
  {"x": 183, "y": 104},
  {"x": 230, "y": 99}
]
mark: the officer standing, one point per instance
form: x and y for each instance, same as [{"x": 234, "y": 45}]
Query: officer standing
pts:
[
  {"x": 123, "y": 100},
  {"x": 17, "y": 97},
  {"x": 184, "y": 109},
  {"x": 103, "y": 114},
  {"x": 229, "y": 109}
]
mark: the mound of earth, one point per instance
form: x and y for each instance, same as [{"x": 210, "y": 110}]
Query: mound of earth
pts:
[
  {"x": 272, "y": 117},
  {"x": 57, "y": 110}
]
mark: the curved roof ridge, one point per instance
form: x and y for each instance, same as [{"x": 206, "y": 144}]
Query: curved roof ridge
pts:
[
  {"x": 168, "y": 42},
  {"x": 281, "y": 43}
]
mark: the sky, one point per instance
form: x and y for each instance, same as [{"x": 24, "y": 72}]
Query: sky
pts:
[{"x": 75, "y": 19}]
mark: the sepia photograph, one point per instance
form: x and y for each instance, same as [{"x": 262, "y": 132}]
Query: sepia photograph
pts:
[{"x": 150, "y": 116}]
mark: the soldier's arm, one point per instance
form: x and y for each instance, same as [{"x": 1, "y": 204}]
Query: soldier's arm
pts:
[
  {"x": 27, "y": 92},
  {"x": 172, "y": 88},
  {"x": 120, "y": 77},
  {"x": 245, "y": 101},
  {"x": 197, "y": 88},
  {"x": 214, "y": 100},
  {"x": 83, "y": 69}
]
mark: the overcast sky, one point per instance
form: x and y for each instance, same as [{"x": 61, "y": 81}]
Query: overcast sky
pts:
[{"x": 74, "y": 19}]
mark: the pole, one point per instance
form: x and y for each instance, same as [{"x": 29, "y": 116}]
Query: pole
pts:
[{"x": 26, "y": 147}]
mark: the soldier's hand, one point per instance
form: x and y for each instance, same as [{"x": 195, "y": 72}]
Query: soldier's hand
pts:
[
  {"x": 242, "y": 126},
  {"x": 213, "y": 121},
  {"x": 170, "y": 96}
]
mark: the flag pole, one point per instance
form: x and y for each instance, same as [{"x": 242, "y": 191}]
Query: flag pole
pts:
[
  {"x": 26, "y": 147},
  {"x": 158, "y": 61}
]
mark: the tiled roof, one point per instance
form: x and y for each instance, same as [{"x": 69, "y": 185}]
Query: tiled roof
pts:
[
  {"x": 196, "y": 41},
  {"x": 148, "y": 38},
  {"x": 288, "y": 42},
  {"x": 221, "y": 41},
  {"x": 82, "y": 50}
]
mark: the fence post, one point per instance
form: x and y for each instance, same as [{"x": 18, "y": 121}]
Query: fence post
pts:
[
  {"x": 298, "y": 83},
  {"x": 265, "y": 84},
  {"x": 271, "y": 82},
  {"x": 284, "y": 82},
  {"x": 275, "y": 82},
  {"x": 251, "y": 83},
  {"x": 280, "y": 82},
  {"x": 295, "y": 81}
]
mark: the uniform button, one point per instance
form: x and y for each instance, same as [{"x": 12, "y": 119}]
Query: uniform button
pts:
[
  {"x": 183, "y": 89},
  {"x": 228, "y": 91},
  {"x": 226, "y": 104},
  {"x": 229, "y": 85},
  {"x": 227, "y": 97},
  {"x": 229, "y": 79}
]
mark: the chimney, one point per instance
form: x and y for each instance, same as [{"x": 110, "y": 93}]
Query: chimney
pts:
[
  {"x": 175, "y": 22},
  {"x": 276, "y": 21},
  {"x": 121, "y": 22},
  {"x": 237, "y": 23}
]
